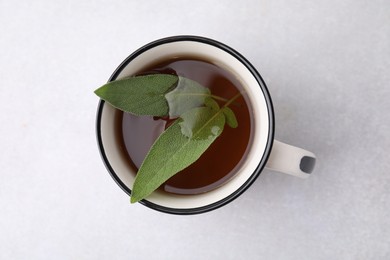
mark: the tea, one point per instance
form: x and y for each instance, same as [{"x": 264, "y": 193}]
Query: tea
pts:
[{"x": 222, "y": 159}]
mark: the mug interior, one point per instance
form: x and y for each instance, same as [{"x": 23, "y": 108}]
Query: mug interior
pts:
[{"x": 257, "y": 98}]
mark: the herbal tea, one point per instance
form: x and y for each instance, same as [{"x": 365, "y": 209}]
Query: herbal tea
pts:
[{"x": 220, "y": 161}]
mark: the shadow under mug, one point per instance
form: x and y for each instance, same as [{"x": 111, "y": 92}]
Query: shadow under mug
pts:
[{"x": 264, "y": 150}]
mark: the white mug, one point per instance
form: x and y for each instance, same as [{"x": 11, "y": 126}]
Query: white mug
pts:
[{"x": 265, "y": 152}]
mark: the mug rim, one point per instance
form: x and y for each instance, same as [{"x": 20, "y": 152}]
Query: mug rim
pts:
[{"x": 263, "y": 159}]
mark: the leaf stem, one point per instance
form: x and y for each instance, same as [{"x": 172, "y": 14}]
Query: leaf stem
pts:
[
  {"x": 219, "y": 98},
  {"x": 230, "y": 101}
]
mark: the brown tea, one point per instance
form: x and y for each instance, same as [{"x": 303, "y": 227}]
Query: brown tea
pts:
[{"x": 221, "y": 160}]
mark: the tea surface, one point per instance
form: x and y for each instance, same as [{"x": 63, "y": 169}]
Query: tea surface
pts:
[{"x": 219, "y": 163}]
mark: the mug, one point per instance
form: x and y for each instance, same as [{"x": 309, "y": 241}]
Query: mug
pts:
[{"x": 265, "y": 152}]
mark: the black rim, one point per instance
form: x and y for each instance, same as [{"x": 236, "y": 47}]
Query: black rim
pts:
[{"x": 263, "y": 160}]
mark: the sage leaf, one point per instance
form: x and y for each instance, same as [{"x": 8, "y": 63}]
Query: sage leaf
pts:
[
  {"x": 185, "y": 96},
  {"x": 177, "y": 147},
  {"x": 194, "y": 120},
  {"x": 139, "y": 95},
  {"x": 210, "y": 102},
  {"x": 231, "y": 119}
]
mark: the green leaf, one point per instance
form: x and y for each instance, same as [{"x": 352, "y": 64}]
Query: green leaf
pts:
[
  {"x": 177, "y": 147},
  {"x": 210, "y": 102},
  {"x": 140, "y": 95},
  {"x": 231, "y": 119},
  {"x": 199, "y": 123},
  {"x": 187, "y": 95}
]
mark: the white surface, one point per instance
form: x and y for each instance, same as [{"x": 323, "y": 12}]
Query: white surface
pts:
[{"x": 327, "y": 65}]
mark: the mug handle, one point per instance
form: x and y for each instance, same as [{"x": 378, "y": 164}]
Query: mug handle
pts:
[{"x": 291, "y": 160}]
